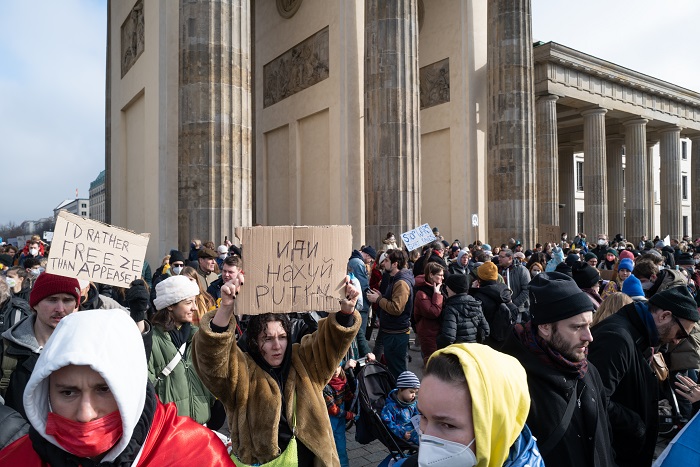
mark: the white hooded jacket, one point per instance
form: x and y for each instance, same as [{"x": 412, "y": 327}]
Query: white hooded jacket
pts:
[{"x": 109, "y": 342}]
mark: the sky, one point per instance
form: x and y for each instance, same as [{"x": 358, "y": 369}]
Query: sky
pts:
[{"x": 52, "y": 80}]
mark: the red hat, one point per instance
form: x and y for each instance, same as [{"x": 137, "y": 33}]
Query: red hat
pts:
[
  {"x": 626, "y": 254},
  {"x": 50, "y": 284}
]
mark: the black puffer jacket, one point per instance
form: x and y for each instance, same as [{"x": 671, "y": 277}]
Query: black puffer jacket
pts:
[
  {"x": 618, "y": 350},
  {"x": 462, "y": 321}
]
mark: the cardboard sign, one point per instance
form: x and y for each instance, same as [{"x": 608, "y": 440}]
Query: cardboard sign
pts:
[
  {"x": 549, "y": 233},
  {"x": 293, "y": 269},
  {"x": 418, "y": 237},
  {"x": 606, "y": 274},
  {"x": 87, "y": 249}
]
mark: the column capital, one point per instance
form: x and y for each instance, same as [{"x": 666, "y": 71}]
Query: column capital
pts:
[
  {"x": 635, "y": 121},
  {"x": 548, "y": 97},
  {"x": 670, "y": 129},
  {"x": 595, "y": 111}
]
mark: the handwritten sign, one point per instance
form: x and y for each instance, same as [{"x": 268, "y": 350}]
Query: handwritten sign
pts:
[
  {"x": 418, "y": 237},
  {"x": 293, "y": 269},
  {"x": 549, "y": 233},
  {"x": 87, "y": 249}
]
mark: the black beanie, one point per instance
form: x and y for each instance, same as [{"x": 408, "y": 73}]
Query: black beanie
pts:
[
  {"x": 555, "y": 297},
  {"x": 564, "y": 268},
  {"x": 585, "y": 275},
  {"x": 678, "y": 301},
  {"x": 685, "y": 259},
  {"x": 175, "y": 256},
  {"x": 458, "y": 283}
]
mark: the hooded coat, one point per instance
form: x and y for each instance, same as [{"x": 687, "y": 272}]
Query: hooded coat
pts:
[
  {"x": 153, "y": 434},
  {"x": 19, "y": 342},
  {"x": 427, "y": 313},
  {"x": 253, "y": 399}
]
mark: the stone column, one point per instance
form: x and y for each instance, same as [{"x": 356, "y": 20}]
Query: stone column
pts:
[
  {"x": 547, "y": 161},
  {"x": 567, "y": 190},
  {"x": 616, "y": 194},
  {"x": 595, "y": 183},
  {"x": 636, "y": 202},
  {"x": 670, "y": 152},
  {"x": 512, "y": 202},
  {"x": 651, "y": 187},
  {"x": 214, "y": 135},
  {"x": 392, "y": 131},
  {"x": 695, "y": 185}
]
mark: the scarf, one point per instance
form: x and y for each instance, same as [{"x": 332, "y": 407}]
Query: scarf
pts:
[
  {"x": 338, "y": 383},
  {"x": 648, "y": 322},
  {"x": 182, "y": 335},
  {"x": 546, "y": 354}
]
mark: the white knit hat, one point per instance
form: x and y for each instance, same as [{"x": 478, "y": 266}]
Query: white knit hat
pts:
[{"x": 173, "y": 290}]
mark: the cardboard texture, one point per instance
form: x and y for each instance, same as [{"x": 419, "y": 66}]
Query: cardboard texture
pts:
[
  {"x": 418, "y": 237},
  {"x": 549, "y": 233},
  {"x": 88, "y": 249},
  {"x": 293, "y": 268},
  {"x": 606, "y": 274}
]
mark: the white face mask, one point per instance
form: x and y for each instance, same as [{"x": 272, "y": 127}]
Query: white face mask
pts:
[
  {"x": 177, "y": 270},
  {"x": 601, "y": 242},
  {"x": 11, "y": 282},
  {"x": 35, "y": 272},
  {"x": 438, "y": 452},
  {"x": 223, "y": 256},
  {"x": 33, "y": 251}
]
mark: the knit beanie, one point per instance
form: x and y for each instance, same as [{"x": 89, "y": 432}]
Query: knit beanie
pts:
[
  {"x": 685, "y": 259},
  {"x": 626, "y": 254},
  {"x": 487, "y": 272},
  {"x": 408, "y": 379},
  {"x": 585, "y": 275},
  {"x": 555, "y": 297},
  {"x": 564, "y": 268},
  {"x": 368, "y": 250},
  {"x": 611, "y": 251},
  {"x": 678, "y": 301},
  {"x": 173, "y": 290},
  {"x": 625, "y": 264},
  {"x": 51, "y": 284},
  {"x": 572, "y": 259},
  {"x": 175, "y": 256},
  {"x": 589, "y": 256},
  {"x": 633, "y": 288},
  {"x": 459, "y": 283}
]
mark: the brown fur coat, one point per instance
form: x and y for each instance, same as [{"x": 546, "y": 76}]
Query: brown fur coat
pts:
[{"x": 252, "y": 397}]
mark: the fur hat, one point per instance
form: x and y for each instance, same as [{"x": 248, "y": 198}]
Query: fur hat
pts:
[
  {"x": 678, "y": 301},
  {"x": 173, "y": 290},
  {"x": 585, "y": 275},
  {"x": 555, "y": 297},
  {"x": 51, "y": 284},
  {"x": 487, "y": 271},
  {"x": 458, "y": 283},
  {"x": 407, "y": 379},
  {"x": 625, "y": 264}
]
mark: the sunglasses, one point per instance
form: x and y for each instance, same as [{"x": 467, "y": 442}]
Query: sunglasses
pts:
[{"x": 682, "y": 333}]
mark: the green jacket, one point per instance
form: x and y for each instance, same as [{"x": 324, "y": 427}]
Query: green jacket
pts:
[{"x": 182, "y": 386}]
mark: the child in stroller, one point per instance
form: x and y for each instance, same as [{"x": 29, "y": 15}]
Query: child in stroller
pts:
[{"x": 400, "y": 410}]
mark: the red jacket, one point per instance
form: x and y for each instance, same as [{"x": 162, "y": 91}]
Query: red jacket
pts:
[{"x": 172, "y": 441}]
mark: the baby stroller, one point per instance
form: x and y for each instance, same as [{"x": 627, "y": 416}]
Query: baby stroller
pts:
[{"x": 374, "y": 383}]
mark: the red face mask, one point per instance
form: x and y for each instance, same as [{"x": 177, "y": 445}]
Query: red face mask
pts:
[{"x": 85, "y": 439}]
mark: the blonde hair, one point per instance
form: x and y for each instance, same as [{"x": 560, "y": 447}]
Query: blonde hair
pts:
[{"x": 610, "y": 305}]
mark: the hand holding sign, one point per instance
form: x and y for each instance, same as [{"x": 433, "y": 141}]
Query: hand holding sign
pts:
[{"x": 347, "y": 304}]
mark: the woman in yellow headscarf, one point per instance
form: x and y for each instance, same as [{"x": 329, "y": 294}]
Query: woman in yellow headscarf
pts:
[{"x": 474, "y": 402}]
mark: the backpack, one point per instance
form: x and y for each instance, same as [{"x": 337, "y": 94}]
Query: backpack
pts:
[
  {"x": 501, "y": 321},
  {"x": 9, "y": 363},
  {"x": 16, "y": 311}
]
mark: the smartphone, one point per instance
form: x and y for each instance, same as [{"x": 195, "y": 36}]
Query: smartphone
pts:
[
  {"x": 367, "y": 290},
  {"x": 225, "y": 238}
]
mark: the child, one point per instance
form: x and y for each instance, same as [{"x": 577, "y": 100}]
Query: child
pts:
[
  {"x": 338, "y": 391},
  {"x": 400, "y": 407}
]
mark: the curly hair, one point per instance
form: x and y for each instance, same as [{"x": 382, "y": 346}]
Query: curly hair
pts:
[{"x": 258, "y": 325}]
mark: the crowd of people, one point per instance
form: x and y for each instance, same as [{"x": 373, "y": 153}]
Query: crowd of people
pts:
[{"x": 557, "y": 354}]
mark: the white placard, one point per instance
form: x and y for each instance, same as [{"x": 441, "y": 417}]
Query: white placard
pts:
[
  {"x": 418, "y": 237},
  {"x": 475, "y": 220}
]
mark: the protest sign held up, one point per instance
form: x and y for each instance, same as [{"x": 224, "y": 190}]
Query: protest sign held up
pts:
[
  {"x": 293, "y": 269},
  {"x": 87, "y": 249},
  {"x": 417, "y": 237}
]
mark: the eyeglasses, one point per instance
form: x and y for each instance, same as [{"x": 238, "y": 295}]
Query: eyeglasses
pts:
[{"x": 682, "y": 333}]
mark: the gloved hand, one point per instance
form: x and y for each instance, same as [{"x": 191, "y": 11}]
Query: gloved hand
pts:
[
  {"x": 138, "y": 298},
  {"x": 349, "y": 415}
]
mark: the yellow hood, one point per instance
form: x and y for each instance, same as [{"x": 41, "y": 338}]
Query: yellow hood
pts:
[{"x": 500, "y": 399}]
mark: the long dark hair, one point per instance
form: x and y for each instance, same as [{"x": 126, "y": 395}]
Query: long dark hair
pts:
[
  {"x": 258, "y": 324},
  {"x": 446, "y": 367}
]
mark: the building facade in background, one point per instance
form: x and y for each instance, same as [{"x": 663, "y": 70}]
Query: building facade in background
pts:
[{"x": 97, "y": 198}]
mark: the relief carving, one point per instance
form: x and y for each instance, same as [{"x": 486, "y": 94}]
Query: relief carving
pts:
[
  {"x": 287, "y": 8},
  {"x": 132, "y": 37},
  {"x": 298, "y": 68},
  {"x": 435, "y": 84}
]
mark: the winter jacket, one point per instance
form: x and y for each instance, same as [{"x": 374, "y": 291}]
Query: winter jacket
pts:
[
  {"x": 518, "y": 280},
  {"x": 20, "y": 343},
  {"x": 252, "y": 397},
  {"x": 492, "y": 294},
  {"x": 12, "y": 425},
  {"x": 618, "y": 352},
  {"x": 182, "y": 386},
  {"x": 456, "y": 268},
  {"x": 427, "y": 313},
  {"x": 12, "y": 312},
  {"x": 25, "y": 290},
  {"x": 396, "y": 305},
  {"x": 397, "y": 415},
  {"x": 669, "y": 259},
  {"x": 110, "y": 343},
  {"x": 356, "y": 266},
  {"x": 462, "y": 321},
  {"x": 419, "y": 266},
  {"x": 336, "y": 398},
  {"x": 557, "y": 258},
  {"x": 96, "y": 301},
  {"x": 586, "y": 442}
]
